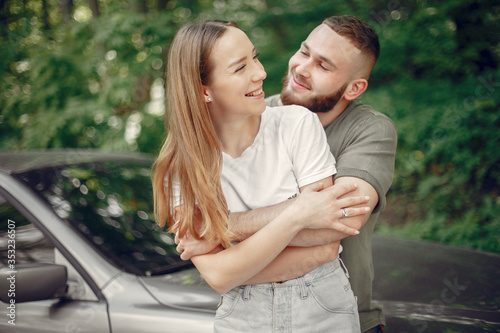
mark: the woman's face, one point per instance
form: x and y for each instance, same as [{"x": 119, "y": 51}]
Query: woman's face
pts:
[{"x": 235, "y": 87}]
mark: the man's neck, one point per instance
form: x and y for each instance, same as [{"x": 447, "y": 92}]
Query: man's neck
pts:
[{"x": 327, "y": 117}]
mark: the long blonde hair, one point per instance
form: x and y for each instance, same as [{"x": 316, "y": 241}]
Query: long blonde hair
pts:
[{"x": 192, "y": 150}]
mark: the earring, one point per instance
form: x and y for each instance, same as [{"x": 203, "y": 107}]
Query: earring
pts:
[{"x": 209, "y": 99}]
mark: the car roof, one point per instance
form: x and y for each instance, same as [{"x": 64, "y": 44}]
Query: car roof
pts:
[{"x": 21, "y": 161}]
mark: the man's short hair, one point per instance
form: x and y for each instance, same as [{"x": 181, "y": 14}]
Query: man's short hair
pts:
[{"x": 358, "y": 32}]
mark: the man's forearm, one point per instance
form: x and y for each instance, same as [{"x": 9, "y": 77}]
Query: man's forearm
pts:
[
  {"x": 315, "y": 237},
  {"x": 245, "y": 224}
]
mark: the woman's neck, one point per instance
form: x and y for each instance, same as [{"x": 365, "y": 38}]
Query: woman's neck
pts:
[{"x": 236, "y": 136}]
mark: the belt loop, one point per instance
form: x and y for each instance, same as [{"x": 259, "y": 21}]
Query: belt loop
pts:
[
  {"x": 246, "y": 292},
  {"x": 302, "y": 285},
  {"x": 343, "y": 267}
]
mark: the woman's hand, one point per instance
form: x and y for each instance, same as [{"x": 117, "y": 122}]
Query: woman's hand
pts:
[{"x": 318, "y": 208}]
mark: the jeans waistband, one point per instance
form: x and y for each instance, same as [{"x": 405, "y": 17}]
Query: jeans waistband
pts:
[
  {"x": 316, "y": 273},
  {"x": 302, "y": 282}
]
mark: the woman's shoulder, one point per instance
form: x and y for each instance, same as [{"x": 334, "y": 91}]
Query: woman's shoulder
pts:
[
  {"x": 287, "y": 112},
  {"x": 289, "y": 119}
]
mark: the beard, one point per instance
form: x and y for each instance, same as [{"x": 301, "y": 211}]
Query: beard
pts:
[{"x": 316, "y": 103}]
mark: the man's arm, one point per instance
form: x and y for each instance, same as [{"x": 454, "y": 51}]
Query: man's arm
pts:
[
  {"x": 247, "y": 223},
  {"x": 320, "y": 246},
  {"x": 313, "y": 248},
  {"x": 310, "y": 237}
]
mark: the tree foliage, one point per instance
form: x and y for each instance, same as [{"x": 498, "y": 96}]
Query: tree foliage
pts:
[{"x": 89, "y": 74}]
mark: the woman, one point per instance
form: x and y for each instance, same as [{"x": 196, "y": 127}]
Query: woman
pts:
[{"x": 223, "y": 144}]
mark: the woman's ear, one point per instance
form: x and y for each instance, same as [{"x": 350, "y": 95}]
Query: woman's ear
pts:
[
  {"x": 206, "y": 95},
  {"x": 355, "y": 88}
]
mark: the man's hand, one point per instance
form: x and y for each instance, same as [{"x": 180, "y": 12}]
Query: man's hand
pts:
[{"x": 188, "y": 246}]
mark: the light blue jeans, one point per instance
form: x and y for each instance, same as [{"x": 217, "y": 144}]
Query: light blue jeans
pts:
[{"x": 320, "y": 301}]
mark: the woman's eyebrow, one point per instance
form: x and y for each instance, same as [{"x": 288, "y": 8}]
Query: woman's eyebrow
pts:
[{"x": 234, "y": 63}]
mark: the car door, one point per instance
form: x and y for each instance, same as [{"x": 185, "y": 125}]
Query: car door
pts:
[{"x": 80, "y": 310}]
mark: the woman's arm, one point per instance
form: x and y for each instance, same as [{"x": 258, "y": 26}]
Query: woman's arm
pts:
[
  {"x": 233, "y": 266},
  {"x": 227, "y": 269},
  {"x": 294, "y": 261},
  {"x": 246, "y": 224},
  {"x": 312, "y": 237}
]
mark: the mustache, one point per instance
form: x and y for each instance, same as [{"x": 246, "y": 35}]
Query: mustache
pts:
[
  {"x": 314, "y": 103},
  {"x": 291, "y": 75}
]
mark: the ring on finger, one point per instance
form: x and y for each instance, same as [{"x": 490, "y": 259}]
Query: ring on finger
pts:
[{"x": 344, "y": 213}]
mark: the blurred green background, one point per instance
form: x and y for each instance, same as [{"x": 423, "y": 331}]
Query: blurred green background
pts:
[{"x": 89, "y": 74}]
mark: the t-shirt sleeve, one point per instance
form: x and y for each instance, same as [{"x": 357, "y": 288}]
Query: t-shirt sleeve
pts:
[
  {"x": 309, "y": 150},
  {"x": 370, "y": 155}
]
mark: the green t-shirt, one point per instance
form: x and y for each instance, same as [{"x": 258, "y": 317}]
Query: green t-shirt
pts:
[{"x": 363, "y": 142}]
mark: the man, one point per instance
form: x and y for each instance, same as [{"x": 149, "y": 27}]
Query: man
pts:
[{"x": 326, "y": 74}]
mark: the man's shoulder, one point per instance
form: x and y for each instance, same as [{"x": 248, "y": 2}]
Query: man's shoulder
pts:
[
  {"x": 358, "y": 112},
  {"x": 358, "y": 109}
]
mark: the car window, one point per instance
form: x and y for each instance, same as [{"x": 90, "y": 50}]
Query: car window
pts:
[
  {"x": 110, "y": 204},
  {"x": 20, "y": 241}
]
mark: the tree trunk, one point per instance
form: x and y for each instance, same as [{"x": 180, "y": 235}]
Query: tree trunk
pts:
[
  {"x": 66, "y": 10},
  {"x": 162, "y": 5},
  {"x": 45, "y": 15},
  {"x": 140, "y": 6},
  {"x": 94, "y": 6}
]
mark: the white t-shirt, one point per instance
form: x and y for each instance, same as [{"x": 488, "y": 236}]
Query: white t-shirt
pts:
[{"x": 289, "y": 151}]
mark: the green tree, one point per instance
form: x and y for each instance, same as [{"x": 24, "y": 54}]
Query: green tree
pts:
[{"x": 89, "y": 74}]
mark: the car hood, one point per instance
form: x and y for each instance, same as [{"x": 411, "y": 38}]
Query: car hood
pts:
[
  {"x": 433, "y": 282},
  {"x": 414, "y": 280},
  {"x": 184, "y": 290}
]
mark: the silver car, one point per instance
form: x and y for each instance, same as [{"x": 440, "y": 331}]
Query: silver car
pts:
[{"x": 80, "y": 252}]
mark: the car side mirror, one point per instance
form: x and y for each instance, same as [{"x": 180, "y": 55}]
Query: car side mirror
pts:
[{"x": 32, "y": 282}]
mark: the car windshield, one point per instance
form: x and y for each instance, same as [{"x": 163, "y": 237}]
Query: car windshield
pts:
[{"x": 110, "y": 204}]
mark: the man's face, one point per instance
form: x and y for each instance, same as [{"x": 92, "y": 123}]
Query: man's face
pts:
[{"x": 320, "y": 71}]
